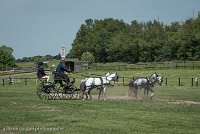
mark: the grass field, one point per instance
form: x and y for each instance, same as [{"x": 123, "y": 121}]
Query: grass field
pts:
[{"x": 174, "y": 109}]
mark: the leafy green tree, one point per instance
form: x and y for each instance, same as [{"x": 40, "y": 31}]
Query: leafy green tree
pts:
[
  {"x": 6, "y": 58},
  {"x": 87, "y": 56},
  {"x": 57, "y": 57},
  {"x": 112, "y": 40}
]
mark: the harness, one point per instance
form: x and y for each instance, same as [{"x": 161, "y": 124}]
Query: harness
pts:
[
  {"x": 149, "y": 82},
  {"x": 93, "y": 83}
]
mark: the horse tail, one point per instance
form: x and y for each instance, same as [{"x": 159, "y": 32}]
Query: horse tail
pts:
[
  {"x": 82, "y": 89},
  {"x": 131, "y": 85},
  {"x": 83, "y": 86}
]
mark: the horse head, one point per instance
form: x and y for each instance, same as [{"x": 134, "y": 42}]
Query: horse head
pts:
[
  {"x": 113, "y": 77},
  {"x": 108, "y": 73},
  {"x": 156, "y": 78}
]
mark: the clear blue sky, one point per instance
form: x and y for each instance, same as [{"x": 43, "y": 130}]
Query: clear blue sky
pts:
[{"x": 41, "y": 27}]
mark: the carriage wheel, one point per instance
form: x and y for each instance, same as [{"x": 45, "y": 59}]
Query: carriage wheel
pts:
[
  {"x": 61, "y": 93},
  {"x": 53, "y": 92},
  {"x": 72, "y": 93},
  {"x": 75, "y": 94},
  {"x": 67, "y": 96},
  {"x": 56, "y": 91},
  {"x": 40, "y": 91},
  {"x": 50, "y": 95}
]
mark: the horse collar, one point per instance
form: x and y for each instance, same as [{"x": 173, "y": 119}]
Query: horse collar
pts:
[{"x": 149, "y": 81}]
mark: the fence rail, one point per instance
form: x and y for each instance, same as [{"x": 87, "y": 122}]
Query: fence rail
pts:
[
  {"x": 123, "y": 81},
  {"x": 167, "y": 65}
]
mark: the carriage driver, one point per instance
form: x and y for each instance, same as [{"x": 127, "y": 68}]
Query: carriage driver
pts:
[
  {"x": 60, "y": 71},
  {"x": 40, "y": 72}
]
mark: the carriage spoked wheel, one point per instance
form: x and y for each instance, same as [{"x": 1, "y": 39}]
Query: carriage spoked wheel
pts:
[
  {"x": 46, "y": 91},
  {"x": 40, "y": 91},
  {"x": 62, "y": 94},
  {"x": 70, "y": 91},
  {"x": 49, "y": 95},
  {"x": 75, "y": 92},
  {"x": 53, "y": 93}
]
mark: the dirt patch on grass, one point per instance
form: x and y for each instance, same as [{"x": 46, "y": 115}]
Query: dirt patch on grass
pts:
[
  {"x": 185, "y": 102},
  {"x": 114, "y": 97}
]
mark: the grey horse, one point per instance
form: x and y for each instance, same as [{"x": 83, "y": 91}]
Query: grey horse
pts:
[
  {"x": 101, "y": 83},
  {"x": 147, "y": 83}
]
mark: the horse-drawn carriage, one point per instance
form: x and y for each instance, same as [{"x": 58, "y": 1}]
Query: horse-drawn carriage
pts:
[
  {"x": 56, "y": 90},
  {"x": 49, "y": 90}
]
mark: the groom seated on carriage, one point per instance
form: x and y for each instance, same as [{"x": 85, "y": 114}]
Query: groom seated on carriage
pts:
[
  {"x": 41, "y": 73},
  {"x": 60, "y": 73}
]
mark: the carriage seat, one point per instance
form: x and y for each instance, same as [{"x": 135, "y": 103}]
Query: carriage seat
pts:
[{"x": 43, "y": 79}]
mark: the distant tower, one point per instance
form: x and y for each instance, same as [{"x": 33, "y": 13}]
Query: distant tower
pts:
[{"x": 63, "y": 52}]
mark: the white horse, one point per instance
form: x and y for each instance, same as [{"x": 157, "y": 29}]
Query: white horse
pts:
[
  {"x": 145, "y": 82},
  {"x": 100, "y": 83}
]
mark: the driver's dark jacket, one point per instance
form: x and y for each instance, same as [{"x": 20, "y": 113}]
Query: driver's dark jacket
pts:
[{"x": 61, "y": 69}]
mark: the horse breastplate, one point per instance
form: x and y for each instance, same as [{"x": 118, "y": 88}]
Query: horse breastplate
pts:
[
  {"x": 142, "y": 81},
  {"x": 93, "y": 85}
]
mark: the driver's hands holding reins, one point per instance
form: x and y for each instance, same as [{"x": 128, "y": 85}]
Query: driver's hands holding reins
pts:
[{"x": 69, "y": 72}]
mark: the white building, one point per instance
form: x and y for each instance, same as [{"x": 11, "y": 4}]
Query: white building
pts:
[{"x": 63, "y": 53}]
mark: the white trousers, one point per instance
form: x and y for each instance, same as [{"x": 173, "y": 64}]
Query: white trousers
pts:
[{"x": 46, "y": 77}]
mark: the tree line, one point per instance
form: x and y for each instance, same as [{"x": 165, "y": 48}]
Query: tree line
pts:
[
  {"x": 39, "y": 58},
  {"x": 113, "y": 40},
  {"x": 7, "y": 60}
]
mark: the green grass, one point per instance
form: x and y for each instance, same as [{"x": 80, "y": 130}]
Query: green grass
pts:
[
  {"x": 21, "y": 108},
  {"x": 168, "y": 112}
]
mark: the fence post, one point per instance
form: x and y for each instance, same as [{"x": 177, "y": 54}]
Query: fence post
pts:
[
  {"x": 196, "y": 81},
  {"x": 179, "y": 81},
  {"x": 123, "y": 80},
  {"x": 166, "y": 81},
  {"x": 192, "y": 82},
  {"x": 3, "y": 82},
  {"x": 26, "y": 81}
]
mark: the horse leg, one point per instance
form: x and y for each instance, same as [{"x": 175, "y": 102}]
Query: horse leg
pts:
[
  {"x": 145, "y": 93},
  {"x": 130, "y": 90},
  {"x": 104, "y": 92},
  {"x": 135, "y": 91},
  {"x": 83, "y": 90},
  {"x": 100, "y": 92},
  {"x": 86, "y": 94},
  {"x": 152, "y": 91},
  {"x": 89, "y": 94},
  {"x": 81, "y": 95},
  {"x": 135, "y": 94}
]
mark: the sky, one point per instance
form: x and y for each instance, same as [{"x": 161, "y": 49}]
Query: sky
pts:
[{"x": 42, "y": 27}]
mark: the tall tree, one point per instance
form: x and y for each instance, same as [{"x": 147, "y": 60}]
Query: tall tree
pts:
[
  {"x": 6, "y": 58},
  {"x": 112, "y": 40}
]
